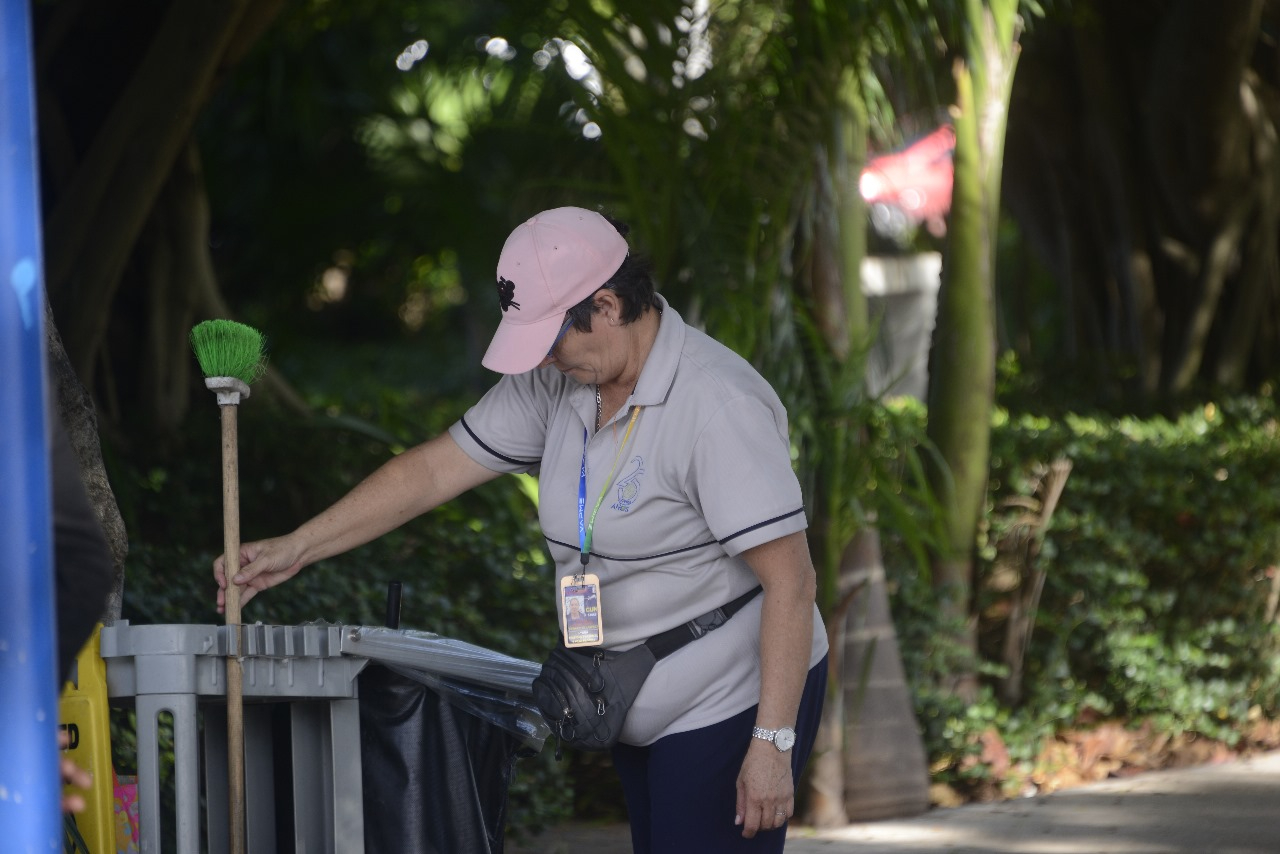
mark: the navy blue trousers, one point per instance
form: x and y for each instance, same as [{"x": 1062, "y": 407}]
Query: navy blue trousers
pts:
[{"x": 681, "y": 791}]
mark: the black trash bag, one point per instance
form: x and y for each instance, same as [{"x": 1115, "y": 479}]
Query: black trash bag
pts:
[{"x": 435, "y": 777}]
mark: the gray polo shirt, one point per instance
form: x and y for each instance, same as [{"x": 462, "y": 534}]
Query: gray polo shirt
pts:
[{"x": 705, "y": 475}]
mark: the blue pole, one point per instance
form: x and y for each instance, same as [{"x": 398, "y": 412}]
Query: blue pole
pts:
[{"x": 30, "y": 783}]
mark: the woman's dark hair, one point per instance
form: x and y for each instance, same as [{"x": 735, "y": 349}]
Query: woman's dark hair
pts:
[{"x": 633, "y": 283}]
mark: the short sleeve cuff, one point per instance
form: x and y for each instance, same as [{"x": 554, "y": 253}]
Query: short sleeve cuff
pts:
[
  {"x": 765, "y": 532},
  {"x": 473, "y": 446}
]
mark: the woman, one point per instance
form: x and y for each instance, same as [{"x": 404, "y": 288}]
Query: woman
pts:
[{"x": 664, "y": 472}]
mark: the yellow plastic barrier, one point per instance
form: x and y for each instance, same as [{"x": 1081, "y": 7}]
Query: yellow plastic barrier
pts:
[{"x": 84, "y": 715}]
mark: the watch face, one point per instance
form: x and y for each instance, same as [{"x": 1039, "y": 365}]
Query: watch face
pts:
[{"x": 785, "y": 738}]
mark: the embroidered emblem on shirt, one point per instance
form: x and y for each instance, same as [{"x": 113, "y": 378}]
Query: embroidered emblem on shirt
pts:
[
  {"x": 629, "y": 486},
  {"x": 507, "y": 294}
]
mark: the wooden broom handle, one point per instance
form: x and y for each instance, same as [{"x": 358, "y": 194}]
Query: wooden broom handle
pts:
[{"x": 235, "y": 675}]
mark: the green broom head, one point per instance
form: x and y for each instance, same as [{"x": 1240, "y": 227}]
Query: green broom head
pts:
[{"x": 225, "y": 348}]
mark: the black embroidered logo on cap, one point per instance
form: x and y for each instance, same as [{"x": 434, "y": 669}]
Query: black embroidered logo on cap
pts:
[{"x": 507, "y": 294}]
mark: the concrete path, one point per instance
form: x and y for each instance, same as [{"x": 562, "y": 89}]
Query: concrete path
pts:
[{"x": 1231, "y": 808}]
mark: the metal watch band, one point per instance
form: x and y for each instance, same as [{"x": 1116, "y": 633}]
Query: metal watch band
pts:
[{"x": 782, "y": 738}]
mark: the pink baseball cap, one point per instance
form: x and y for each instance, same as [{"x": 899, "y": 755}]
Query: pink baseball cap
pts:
[{"x": 549, "y": 264}]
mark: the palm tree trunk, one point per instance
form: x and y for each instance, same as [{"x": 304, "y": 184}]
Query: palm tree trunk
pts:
[
  {"x": 76, "y": 409},
  {"x": 886, "y": 770},
  {"x": 962, "y": 360}
]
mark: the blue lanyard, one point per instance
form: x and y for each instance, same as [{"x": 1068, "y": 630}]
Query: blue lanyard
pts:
[
  {"x": 587, "y": 527},
  {"x": 582, "y": 500}
]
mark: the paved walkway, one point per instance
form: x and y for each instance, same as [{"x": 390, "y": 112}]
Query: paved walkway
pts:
[{"x": 1231, "y": 808}]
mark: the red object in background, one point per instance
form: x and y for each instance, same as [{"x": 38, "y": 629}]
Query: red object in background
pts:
[{"x": 906, "y": 188}]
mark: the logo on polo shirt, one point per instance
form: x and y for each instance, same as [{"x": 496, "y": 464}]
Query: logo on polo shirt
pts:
[{"x": 629, "y": 486}]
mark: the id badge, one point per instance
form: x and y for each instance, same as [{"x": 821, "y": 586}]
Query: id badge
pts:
[{"x": 580, "y": 610}]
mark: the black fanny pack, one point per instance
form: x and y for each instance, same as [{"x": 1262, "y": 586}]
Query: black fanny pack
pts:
[{"x": 585, "y": 694}]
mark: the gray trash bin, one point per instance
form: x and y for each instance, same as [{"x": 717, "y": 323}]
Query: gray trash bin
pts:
[{"x": 304, "y": 769}]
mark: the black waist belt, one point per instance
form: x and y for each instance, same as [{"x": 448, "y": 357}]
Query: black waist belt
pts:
[{"x": 662, "y": 645}]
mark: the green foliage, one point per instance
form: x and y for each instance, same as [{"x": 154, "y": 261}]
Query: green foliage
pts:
[
  {"x": 425, "y": 168},
  {"x": 1164, "y": 545},
  {"x": 1159, "y": 599}
]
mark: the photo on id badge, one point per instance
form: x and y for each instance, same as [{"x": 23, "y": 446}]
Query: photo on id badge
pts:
[{"x": 581, "y": 608}]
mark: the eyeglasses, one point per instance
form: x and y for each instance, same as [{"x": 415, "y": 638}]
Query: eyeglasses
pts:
[{"x": 563, "y": 329}]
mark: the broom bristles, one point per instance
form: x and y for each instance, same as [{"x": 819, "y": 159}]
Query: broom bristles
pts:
[{"x": 226, "y": 348}]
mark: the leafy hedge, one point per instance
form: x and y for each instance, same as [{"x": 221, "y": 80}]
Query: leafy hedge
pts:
[{"x": 1158, "y": 605}]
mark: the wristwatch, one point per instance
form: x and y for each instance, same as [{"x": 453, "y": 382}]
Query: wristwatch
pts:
[{"x": 782, "y": 739}]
